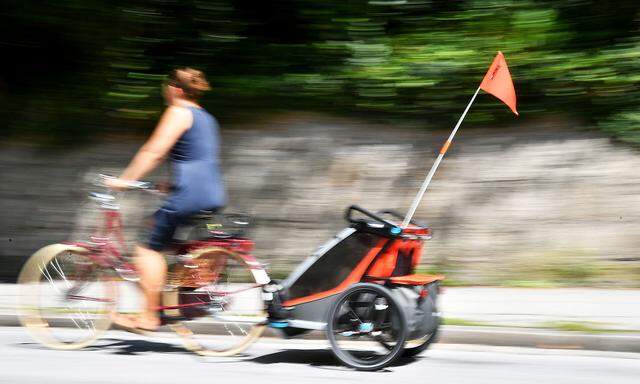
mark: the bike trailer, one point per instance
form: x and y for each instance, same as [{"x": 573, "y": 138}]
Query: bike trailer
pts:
[{"x": 368, "y": 267}]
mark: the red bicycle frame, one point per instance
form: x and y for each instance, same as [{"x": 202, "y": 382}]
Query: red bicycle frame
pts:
[{"x": 106, "y": 254}]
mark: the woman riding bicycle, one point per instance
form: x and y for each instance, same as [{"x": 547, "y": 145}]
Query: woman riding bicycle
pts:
[{"x": 189, "y": 135}]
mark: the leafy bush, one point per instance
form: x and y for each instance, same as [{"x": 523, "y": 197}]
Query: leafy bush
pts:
[{"x": 418, "y": 60}]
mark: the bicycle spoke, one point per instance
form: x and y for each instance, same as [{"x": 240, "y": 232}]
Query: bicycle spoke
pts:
[
  {"x": 47, "y": 275},
  {"x": 67, "y": 310},
  {"x": 60, "y": 272},
  {"x": 234, "y": 303}
]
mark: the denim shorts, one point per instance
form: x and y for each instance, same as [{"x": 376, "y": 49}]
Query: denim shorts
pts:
[{"x": 160, "y": 232}]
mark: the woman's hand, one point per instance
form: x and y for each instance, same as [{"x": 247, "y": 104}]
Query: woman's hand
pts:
[{"x": 117, "y": 184}]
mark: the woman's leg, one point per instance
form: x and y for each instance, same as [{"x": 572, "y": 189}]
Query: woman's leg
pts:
[{"x": 153, "y": 271}]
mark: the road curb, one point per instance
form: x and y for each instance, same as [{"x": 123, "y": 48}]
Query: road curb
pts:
[
  {"x": 9, "y": 320},
  {"x": 539, "y": 338},
  {"x": 495, "y": 336}
]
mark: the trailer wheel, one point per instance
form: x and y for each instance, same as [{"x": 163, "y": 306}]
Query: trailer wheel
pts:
[
  {"x": 361, "y": 322},
  {"x": 416, "y": 347}
]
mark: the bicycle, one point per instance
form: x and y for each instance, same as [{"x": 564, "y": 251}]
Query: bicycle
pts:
[{"x": 69, "y": 290}]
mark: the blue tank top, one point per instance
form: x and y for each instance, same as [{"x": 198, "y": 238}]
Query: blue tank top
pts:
[{"x": 196, "y": 172}]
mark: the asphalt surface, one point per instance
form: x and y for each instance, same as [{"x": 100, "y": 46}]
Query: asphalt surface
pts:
[
  {"x": 125, "y": 358},
  {"x": 497, "y": 306},
  {"x": 494, "y": 316}
]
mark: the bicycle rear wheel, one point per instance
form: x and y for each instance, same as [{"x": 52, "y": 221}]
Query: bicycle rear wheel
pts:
[
  {"x": 65, "y": 298},
  {"x": 232, "y": 315}
]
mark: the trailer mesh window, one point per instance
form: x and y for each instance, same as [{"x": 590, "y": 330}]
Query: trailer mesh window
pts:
[{"x": 334, "y": 266}]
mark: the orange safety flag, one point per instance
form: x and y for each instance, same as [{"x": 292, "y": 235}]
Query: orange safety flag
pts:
[{"x": 498, "y": 82}]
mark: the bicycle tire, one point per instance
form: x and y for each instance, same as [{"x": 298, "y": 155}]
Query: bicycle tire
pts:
[
  {"x": 194, "y": 340},
  {"x": 31, "y": 313}
]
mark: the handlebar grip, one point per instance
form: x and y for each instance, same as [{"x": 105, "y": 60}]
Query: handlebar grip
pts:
[
  {"x": 130, "y": 184},
  {"x": 141, "y": 184}
]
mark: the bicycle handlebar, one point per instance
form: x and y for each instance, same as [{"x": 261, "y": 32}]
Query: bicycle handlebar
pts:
[{"x": 144, "y": 185}]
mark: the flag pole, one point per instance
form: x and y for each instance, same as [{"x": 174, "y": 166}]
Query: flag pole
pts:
[{"x": 443, "y": 150}]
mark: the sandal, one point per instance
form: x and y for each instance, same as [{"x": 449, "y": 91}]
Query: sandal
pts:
[{"x": 125, "y": 323}]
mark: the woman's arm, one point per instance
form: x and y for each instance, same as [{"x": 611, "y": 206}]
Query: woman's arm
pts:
[{"x": 174, "y": 122}]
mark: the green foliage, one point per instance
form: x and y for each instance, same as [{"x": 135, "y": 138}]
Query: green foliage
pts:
[
  {"x": 464, "y": 322},
  {"x": 97, "y": 65},
  {"x": 556, "y": 268},
  {"x": 585, "y": 327}
]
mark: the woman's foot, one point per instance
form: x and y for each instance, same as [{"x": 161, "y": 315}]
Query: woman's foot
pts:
[
  {"x": 123, "y": 321},
  {"x": 139, "y": 322},
  {"x": 148, "y": 322}
]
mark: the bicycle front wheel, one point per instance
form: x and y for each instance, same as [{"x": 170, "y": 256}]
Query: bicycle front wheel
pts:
[
  {"x": 223, "y": 298},
  {"x": 65, "y": 298}
]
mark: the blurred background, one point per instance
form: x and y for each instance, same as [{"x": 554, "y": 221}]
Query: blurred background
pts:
[{"x": 324, "y": 104}]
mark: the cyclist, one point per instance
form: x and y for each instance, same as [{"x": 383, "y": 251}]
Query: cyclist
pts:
[{"x": 189, "y": 135}]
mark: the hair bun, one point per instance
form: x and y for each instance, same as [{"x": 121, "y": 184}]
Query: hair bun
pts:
[{"x": 191, "y": 81}]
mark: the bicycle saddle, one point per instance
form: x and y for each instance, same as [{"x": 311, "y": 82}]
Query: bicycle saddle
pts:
[{"x": 208, "y": 224}]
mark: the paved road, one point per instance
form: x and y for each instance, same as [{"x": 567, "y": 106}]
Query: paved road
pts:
[
  {"x": 605, "y": 308},
  {"x": 124, "y": 358}
]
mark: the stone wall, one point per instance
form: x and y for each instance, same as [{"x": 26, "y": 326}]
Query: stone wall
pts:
[{"x": 533, "y": 203}]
